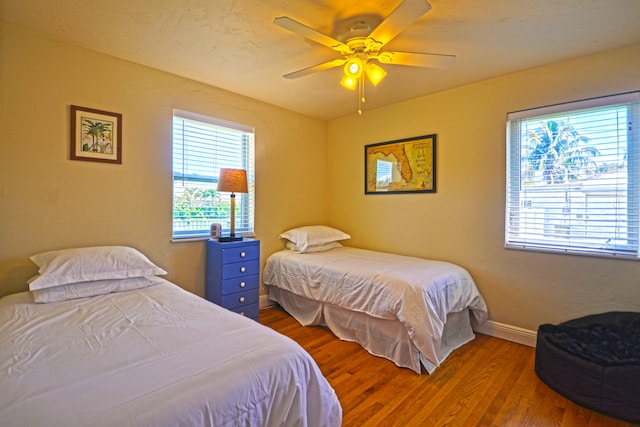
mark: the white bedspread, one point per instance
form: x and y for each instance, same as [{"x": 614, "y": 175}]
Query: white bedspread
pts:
[
  {"x": 419, "y": 293},
  {"x": 157, "y": 356}
]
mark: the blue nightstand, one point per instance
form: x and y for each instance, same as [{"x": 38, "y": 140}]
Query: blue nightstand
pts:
[{"x": 233, "y": 276}]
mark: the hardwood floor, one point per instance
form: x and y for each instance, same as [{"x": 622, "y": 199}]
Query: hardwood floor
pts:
[{"x": 488, "y": 382}]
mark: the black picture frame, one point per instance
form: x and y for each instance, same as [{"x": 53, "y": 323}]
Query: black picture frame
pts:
[{"x": 401, "y": 166}]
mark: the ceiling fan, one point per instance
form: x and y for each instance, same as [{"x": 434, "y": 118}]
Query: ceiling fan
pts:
[{"x": 363, "y": 45}]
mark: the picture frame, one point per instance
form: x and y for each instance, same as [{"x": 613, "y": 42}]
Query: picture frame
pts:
[
  {"x": 96, "y": 135},
  {"x": 401, "y": 166}
]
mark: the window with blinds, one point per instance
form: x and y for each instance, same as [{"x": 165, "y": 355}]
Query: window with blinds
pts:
[
  {"x": 573, "y": 177},
  {"x": 201, "y": 147}
]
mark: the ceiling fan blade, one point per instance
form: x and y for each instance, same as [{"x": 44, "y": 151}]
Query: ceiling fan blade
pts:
[
  {"x": 427, "y": 60},
  {"x": 407, "y": 12},
  {"x": 311, "y": 34},
  {"x": 313, "y": 69}
]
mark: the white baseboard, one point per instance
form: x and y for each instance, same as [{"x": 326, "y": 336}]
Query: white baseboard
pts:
[
  {"x": 265, "y": 302},
  {"x": 507, "y": 332}
]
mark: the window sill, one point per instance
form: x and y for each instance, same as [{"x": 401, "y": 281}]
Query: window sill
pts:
[{"x": 201, "y": 238}]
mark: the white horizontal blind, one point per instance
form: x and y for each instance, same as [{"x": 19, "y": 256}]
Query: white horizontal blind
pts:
[
  {"x": 573, "y": 177},
  {"x": 201, "y": 147}
]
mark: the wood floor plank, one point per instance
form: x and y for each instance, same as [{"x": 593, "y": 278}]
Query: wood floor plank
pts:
[{"x": 487, "y": 382}]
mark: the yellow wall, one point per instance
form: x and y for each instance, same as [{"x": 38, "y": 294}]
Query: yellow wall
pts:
[
  {"x": 464, "y": 221},
  {"x": 49, "y": 202}
]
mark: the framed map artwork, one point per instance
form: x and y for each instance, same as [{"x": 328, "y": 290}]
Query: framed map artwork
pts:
[
  {"x": 402, "y": 166},
  {"x": 96, "y": 135}
]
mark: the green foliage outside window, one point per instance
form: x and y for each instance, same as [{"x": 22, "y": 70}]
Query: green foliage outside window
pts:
[
  {"x": 560, "y": 154},
  {"x": 201, "y": 204}
]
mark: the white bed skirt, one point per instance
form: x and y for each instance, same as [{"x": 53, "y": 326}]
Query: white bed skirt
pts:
[{"x": 381, "y": 337}]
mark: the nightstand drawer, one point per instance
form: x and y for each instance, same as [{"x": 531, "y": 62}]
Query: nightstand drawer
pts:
[
  {"x": 251, "y": 311},
  {"x": 239, "y": 269},
  {"x": 240, "y": 254},
  {"x": 239, "y": 299},
  {"x": 238, "y": 284}
]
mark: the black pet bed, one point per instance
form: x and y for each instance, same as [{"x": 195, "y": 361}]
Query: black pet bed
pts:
[{"x": 594, "y": 361}]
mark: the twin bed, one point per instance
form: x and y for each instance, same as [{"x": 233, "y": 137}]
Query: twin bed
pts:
[
  {"x": 412, "y": 311},
  {"x": 100, "y": 339},
  {"x": 118, "y": 346}
]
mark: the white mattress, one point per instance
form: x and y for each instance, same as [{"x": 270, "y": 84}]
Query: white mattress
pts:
[
  {"x": 152, "y": 357},
  {"x": 419, "y": 293}
]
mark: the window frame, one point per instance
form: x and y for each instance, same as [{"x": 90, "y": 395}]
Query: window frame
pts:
[
  {"x": 208, "y": 176},
  {"x": 515, "y": 204}
]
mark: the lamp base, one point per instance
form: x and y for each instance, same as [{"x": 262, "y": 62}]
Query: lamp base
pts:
[{"x": 229, "y": 238}]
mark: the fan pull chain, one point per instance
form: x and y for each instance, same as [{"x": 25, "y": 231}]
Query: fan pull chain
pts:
[{"x": 361, "y": 98}]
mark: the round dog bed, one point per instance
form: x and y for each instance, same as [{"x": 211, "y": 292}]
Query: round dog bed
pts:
[{"x": 594, "y": 361}]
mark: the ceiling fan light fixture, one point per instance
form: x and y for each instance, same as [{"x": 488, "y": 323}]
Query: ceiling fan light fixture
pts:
[
  {"x": 363, "y": 43},
  {"x": 353, "y": 68},
  {"x": 375, "y": 73},
  {"x": 349, "y": 82}
]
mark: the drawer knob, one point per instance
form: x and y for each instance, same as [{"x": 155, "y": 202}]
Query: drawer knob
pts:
[
  {"x": 243, "y": 254},
  {"x": 243, "y": 284},
  {"x": 242, "y": 269},
  {"x": 241, "y": 299}
]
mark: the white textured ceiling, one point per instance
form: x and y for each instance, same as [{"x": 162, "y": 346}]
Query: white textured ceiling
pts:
[{"x": 234, "y": 45}]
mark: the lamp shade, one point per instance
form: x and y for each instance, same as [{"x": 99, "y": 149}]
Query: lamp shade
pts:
[{"x": 233, "y": 181}]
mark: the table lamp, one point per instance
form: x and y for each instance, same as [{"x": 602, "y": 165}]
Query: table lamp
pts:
[{"x": 234, "y": 181}]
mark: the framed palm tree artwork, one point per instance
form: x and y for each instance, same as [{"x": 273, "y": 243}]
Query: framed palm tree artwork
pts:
[{"x": 96, "y": 135}]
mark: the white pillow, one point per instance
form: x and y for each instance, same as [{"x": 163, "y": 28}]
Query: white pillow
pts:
[
  {"x": 87, "y": 264},
  {"x": 317, "y": 248},
  {"x": 313, "y": 235},
  {"x": 93, "y": 288}
]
